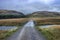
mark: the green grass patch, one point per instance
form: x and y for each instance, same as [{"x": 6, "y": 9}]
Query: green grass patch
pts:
[
  {"x": 5, "y": 34},
  {"x": 50, "y": 33}
]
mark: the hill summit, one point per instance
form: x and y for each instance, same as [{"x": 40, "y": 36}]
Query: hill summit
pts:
[{"x": 10, "y": 14}]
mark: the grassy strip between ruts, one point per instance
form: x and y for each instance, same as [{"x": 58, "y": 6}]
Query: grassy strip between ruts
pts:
[{"x": 52, "y": 33}]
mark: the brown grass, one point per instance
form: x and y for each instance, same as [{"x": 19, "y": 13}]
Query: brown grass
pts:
[
  {"x": 2, "y": 34},
  {"x": 1, "y": 31},
  {"x": 56, "y": 26},
  {"x": 47, "y": 20},
  {"x": 18, "y": 21},
  {"x": 38, "y": 21}
]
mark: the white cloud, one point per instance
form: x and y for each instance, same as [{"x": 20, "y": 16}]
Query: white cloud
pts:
[
  {"x": 42, "y": 1},
  {"x": 47, "y": 1}
]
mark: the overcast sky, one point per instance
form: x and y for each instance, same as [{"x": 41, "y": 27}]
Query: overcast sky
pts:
[{"x": 29, "y": 6}]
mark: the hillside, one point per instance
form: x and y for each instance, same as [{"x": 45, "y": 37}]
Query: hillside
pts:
[
  {"x": 10, "y": 14},
  {"x": 44, "y": 14}
]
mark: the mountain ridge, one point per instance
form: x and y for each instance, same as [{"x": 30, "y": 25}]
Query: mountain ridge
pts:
[{"x": 44, "y": 14}]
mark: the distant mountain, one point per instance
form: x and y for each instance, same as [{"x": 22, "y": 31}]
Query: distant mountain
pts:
[
  {"x": 10, "y": 14},
  {"x": 44, "y": 14}
]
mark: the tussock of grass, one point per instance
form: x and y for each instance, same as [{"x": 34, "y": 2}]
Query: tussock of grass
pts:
[{"x": 4, "y": 34}]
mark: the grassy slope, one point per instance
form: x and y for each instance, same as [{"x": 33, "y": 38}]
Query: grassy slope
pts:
[
  {"x": 42, "y": 14},
  {"x": 6, "y": 14}
]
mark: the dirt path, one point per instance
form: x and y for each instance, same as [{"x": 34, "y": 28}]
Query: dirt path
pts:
[{"x": 27, "y": 33}]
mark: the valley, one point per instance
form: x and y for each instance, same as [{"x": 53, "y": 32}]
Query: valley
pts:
[{"x": 29, "y": 27}]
